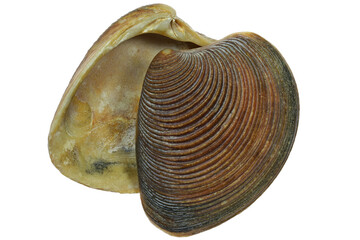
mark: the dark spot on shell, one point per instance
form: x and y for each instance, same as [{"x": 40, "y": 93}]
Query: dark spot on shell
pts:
[
  {"x": 128, "y": 149},
  {"x": 99, "y": 167}
]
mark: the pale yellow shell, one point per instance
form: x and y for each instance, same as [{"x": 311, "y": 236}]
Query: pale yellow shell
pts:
[{"x": 92, "y": 136}]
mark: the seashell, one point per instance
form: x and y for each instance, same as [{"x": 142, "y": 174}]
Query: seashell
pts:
[
  {"x": 92, "y": 136},
  {"x": 215, "y": 126},
  {"x": 200, "y": 127}
]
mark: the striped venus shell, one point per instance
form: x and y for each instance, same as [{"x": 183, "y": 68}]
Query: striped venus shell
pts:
[{"x": 200, "y": 127}]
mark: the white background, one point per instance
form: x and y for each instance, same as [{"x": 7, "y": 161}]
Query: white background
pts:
[{"x": 316, "y": 195}]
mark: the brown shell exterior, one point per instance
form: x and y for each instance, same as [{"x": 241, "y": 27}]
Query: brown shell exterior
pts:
[{"x": 215, "y": 126}]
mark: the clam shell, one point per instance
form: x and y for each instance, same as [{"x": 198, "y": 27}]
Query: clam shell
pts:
[
  {"x": 215, "y": 126},
  {"x": 92, "y": 136}
]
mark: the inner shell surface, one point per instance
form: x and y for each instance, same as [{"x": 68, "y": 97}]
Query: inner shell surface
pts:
[{"x": 95, "y": 143}]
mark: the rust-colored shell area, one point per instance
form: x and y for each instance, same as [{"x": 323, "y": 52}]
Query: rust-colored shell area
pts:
[{"x": 215, "y": 126}]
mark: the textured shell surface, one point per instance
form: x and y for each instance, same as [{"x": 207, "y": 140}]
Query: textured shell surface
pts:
[
  {"x": 199, "y": 127},
  {"x": 215, "y": 126}
]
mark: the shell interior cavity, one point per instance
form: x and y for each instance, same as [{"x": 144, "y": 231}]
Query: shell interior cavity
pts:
[
  {"x": 200, "y": 127},
  {"x": 92, "y": 136}
]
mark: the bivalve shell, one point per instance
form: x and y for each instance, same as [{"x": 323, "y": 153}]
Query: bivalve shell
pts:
[
  {"x": 92, "y": 136},
  {"x": 215, "y": 126}
]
